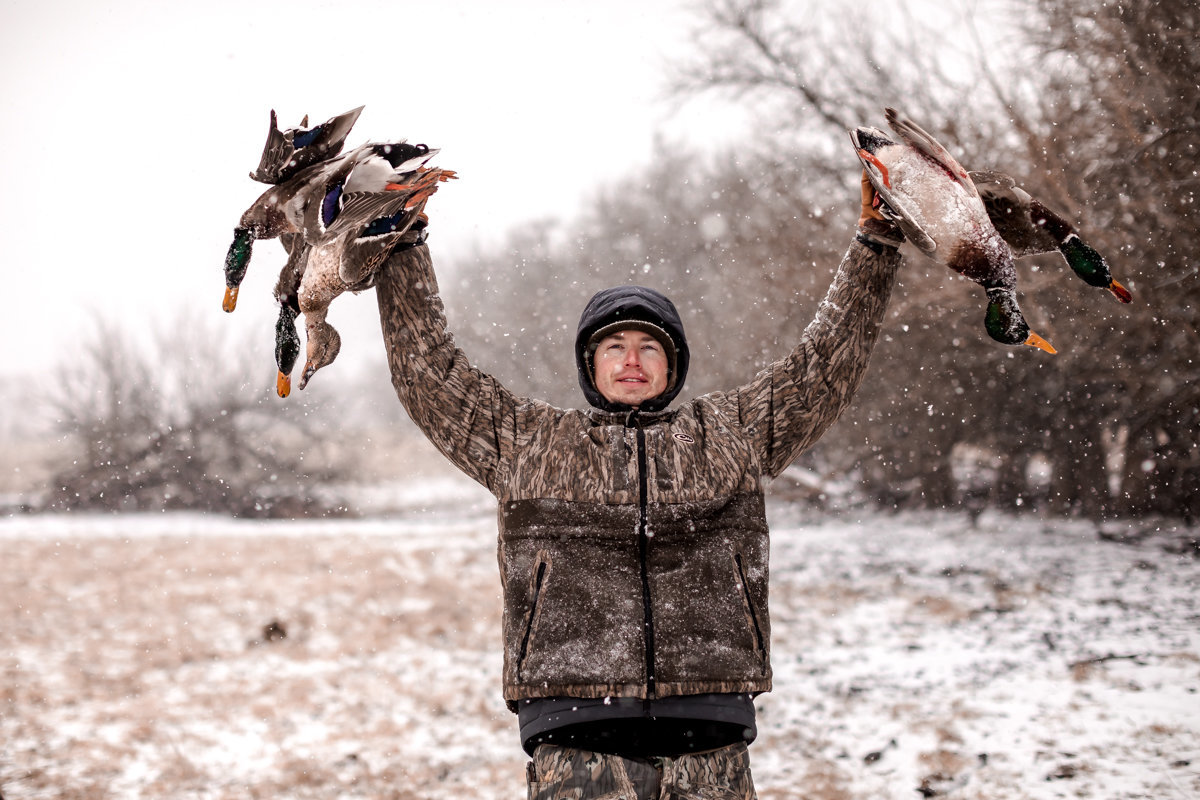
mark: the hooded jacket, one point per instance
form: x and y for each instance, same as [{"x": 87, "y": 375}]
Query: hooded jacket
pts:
[
  {"x": 633, "y": 544},
  {"x": 631, "y": 307}
]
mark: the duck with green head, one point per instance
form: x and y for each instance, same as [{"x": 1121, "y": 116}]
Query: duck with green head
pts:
[
  {"x": 291, "y": 160},
  {"x": 1029, "y": 227},
  {"x": 287, "y": 287},
  {"x": 934, "y": 202},
  {"x": 309, "y": 201}
]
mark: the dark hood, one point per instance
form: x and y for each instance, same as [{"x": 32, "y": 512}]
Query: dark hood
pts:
[{"x": 630, "y": 303}]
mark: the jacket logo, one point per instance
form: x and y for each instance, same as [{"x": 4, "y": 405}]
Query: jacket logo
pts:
[{"x": 683, "y": 437}]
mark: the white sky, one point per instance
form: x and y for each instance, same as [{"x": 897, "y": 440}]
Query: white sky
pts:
[{"x": 130, "y": 127}]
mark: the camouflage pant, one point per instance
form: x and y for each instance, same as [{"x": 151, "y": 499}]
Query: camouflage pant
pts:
[{"x": 564, "y": 773}]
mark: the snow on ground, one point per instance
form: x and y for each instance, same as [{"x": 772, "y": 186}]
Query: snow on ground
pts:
[{"x": 914, "y": 656}]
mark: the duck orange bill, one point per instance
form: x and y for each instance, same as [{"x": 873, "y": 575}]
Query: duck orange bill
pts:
[
  {"x": 1120, "y": 292},
  {"x": 230, "y": 301},
  {"x": 283, "y": 385},
  {"x": 1036, "y": 341}
]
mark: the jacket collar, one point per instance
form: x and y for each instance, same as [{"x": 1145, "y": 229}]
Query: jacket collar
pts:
[{"x": 631, "y": 417}]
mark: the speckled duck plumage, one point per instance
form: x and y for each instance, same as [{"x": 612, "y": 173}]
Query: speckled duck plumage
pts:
[
  {"x": 338, "y": 216},
  {"x": 933, "y": 200},
  {"x": 975, "y": 223}
]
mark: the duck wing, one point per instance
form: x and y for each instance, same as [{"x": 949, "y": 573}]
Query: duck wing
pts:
[
  {"x": 370, "y": 225},
  {"x": 324, "y": 196},
  {"x": 386, "y": 163},
  {"x": 920, "y": 140},
  {"x": 897, "y": 209},
  {"x": 288, "y": 152},
  {"x": 1010, "y": 208}
]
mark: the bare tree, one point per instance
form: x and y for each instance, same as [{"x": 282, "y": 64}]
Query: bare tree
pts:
[
  {"x": 158, "y": 426},
  {"x": 1104, "y": 128}
]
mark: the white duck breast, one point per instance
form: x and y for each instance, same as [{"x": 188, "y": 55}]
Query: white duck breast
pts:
[
  {"x": 943, "y": 213},
  {"x": 933, "y": 201}
]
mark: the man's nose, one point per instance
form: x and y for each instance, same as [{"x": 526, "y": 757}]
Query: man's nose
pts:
[{"x": 633, "y": 358}]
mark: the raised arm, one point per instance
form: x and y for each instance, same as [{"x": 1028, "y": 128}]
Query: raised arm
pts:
[
  {"x": 466, "y": 413},
  {"x": 790, "y": 404}
]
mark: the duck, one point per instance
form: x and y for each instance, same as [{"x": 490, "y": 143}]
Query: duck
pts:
[
  {"x": 290, "y": 161},
  {"x": 373, "y": 167},
  {"x": 287, "y": 290},
  {"x": 288, "y": 152},
  {"x": 933, "y": 200},
  {"x": 310, "y": 200},
  {"x": 1030, "y": 227},
  {"x": 369, "y": 226},
  {"x": 279, "y": 211},
  {"x": 287, "y": 347}
]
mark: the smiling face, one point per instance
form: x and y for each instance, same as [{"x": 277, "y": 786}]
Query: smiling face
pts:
[{"x": 630, "y": 367}]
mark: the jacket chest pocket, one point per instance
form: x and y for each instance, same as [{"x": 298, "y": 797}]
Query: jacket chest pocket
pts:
[{"x": 687, "y": 469}]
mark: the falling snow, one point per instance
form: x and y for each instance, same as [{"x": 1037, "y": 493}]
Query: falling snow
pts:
[{"x": 1022, "y": 658}]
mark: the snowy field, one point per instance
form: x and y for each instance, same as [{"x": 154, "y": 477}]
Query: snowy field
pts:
[{"x": 196, "y": 657}]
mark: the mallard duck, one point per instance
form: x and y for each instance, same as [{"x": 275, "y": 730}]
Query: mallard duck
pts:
[
  {"x": 368, "y": 227},
  {"x": 287, "y": 347},
  {"x": 279, "y": 211},
  {"x": 288, "y": 152},
  {"x": 310, "y": 200},
  {"x": 287, "y": 291},
  {"x": 285, "y": 162},
  {"x": 1029, "y": 227},
  {"x": 369, "y": 168},
  {"x": 935, "y": 203}
]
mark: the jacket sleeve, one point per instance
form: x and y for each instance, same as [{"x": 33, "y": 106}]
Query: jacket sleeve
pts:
[
  {"x": 465, "y": 413},
  {"x": 790, "y": 404}
]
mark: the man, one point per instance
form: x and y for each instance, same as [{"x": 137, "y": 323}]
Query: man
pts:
[{"x": 632, "y": 537}]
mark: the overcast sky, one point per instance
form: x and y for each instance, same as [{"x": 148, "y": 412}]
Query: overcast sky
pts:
[{"x": 130, "y": 127}]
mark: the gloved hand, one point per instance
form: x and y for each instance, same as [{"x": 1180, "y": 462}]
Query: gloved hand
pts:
[{"x": 872, "y": 224}]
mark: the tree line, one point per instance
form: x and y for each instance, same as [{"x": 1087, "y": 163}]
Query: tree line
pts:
[{"x": 1093, "y": 107}]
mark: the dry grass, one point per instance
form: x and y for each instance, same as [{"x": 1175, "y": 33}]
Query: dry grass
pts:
[
  {"x": 140, "y": 668},
  {"x": 146, "y": 662}
]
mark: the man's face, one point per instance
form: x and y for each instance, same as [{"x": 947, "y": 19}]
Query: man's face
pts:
[{"x": 630, "y": 367}]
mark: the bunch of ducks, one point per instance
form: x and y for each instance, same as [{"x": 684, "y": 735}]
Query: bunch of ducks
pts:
[
  {"x": 974, "y": 223},
  {"x": 339, "y": 216}
]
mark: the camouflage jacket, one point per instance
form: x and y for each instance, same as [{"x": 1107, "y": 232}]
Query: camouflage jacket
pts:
[{"x": 632, "y": 547}]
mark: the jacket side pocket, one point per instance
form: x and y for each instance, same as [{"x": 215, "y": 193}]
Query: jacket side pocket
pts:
[
  {"x": 751, "y": 613},
  {"x": 539, "y": 580}
]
